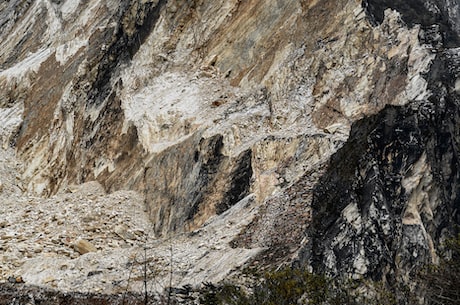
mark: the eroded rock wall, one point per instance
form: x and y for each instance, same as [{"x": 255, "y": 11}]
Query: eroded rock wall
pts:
[
  {"x": 115, "y": 84},
  {"x": 199, "y": 104},
  {"x": 390, "y": 199}
]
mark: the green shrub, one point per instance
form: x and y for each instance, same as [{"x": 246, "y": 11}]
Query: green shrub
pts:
[
  {"x": 224, "y": 294},
  {"x": 287, "y": 286}
]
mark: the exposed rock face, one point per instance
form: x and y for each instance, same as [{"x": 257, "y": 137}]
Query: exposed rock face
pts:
[
  {"x": 336, "y": 122},
  {"x": 390, "y": 196},
  {"x": 87, "y": 114}
]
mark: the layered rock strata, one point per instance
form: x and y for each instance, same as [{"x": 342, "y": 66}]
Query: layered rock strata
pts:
[{"x": 334, "y": 122}]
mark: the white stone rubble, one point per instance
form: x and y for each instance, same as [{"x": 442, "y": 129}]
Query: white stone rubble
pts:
[{"x": 40, "y": 237}]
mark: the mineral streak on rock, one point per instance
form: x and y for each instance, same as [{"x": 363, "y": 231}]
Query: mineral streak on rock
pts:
[{"x": 320, "y": 132}]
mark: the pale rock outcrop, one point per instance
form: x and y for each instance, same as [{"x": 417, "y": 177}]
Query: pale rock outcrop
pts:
[
  {"x": 116, "y": 89},
  {"x": 320, "y": 132}
]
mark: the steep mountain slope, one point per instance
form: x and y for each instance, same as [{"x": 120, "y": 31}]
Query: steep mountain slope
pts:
[
  {"x": 390, "y": 197},
  {"x": 318, "y": 132}
]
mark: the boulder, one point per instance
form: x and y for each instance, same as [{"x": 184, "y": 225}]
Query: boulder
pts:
[{"x": 83, "y": 246}]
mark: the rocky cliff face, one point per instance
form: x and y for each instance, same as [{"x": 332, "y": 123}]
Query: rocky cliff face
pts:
[
  {"x": 334, "y": 122},
  {"x": 390, "y": 196}
]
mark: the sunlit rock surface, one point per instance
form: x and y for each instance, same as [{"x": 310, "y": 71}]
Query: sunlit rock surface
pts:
[{"x": 321, "y": 132}]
